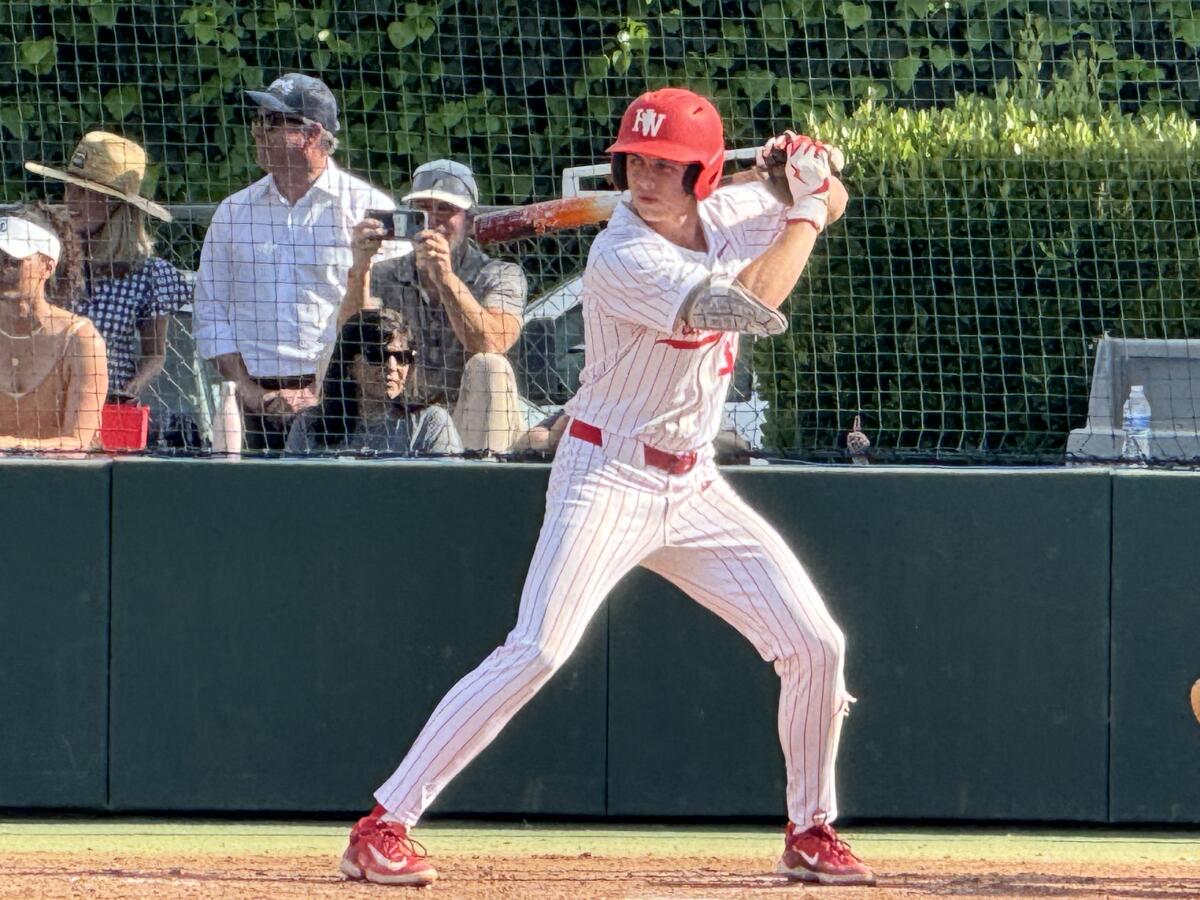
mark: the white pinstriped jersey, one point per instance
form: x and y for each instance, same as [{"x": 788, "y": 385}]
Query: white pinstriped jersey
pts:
[
  {"x": 608, "y": 511},
  {"x": 648, "y": 376}
]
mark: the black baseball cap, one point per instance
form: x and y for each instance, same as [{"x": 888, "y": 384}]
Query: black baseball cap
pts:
[{"x": 300, "y": 95}]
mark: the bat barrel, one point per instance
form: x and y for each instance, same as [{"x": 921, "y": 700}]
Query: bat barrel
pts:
[{"x": 541, "y": 218}]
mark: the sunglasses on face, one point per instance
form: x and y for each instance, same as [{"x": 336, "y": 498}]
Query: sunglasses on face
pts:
[
  {"x": 270, "y": 121},
  {"x": 378, "y": 356}
]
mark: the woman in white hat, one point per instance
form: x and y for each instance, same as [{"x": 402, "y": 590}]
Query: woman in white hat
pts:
[
  {"x": 53, "y": 374},
  {"x": 129, "y": 292}
]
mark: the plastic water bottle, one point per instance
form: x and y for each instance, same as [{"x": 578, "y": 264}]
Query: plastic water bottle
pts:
[
  {"x": 857, "y": 444},
  {"x": 227, "y": 424},
  {"x": 1137, "y": 426}
]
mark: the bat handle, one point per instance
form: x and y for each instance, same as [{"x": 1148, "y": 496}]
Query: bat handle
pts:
[
  {"x": 777, "y": 159},
  {"x": 775, "y": 178}
]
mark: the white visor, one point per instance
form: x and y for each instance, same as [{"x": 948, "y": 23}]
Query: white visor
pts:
[{"x": 20, "y": 239}]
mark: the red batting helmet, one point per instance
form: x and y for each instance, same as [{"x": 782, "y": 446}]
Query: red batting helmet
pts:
[{"x": 673, "y": 124}]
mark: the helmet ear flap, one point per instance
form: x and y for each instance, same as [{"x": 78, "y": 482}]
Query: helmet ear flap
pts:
[
  {"x": 621, "y": 180},
  {"x": 618, "y": 172}
]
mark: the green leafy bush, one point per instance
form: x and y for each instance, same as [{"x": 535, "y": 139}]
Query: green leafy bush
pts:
[
  {"x": 525, "y": 88},
  {"x": 956, "y": 307},
  {"x": 987, "y": 245}
]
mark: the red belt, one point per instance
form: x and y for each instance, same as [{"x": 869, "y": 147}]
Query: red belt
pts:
[{"x": 670, "y": 463}]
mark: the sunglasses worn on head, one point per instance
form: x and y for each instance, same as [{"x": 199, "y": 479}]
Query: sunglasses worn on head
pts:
[
  {"x": 269, "y": 121},
  {"x": 377, "y": 355}
]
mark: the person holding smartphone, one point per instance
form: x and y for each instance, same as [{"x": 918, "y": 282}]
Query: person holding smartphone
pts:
[{"x": 464, "y": 308}]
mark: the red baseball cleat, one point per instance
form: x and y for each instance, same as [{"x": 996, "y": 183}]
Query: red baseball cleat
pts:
[
  {"x": 819, "y": 855},
  {"x": 383, "y": 853}
]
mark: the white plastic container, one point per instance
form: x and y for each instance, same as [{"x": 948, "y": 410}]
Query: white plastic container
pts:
[
  {"x": 227, "y": 423},
  {"x": 1137, "y": 426}
]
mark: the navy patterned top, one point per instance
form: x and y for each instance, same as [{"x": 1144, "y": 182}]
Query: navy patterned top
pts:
[{"x": 119, "y": 307}]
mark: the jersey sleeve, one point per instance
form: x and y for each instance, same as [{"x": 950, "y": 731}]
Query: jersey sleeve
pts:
[
  {"x": 642, "y": 280},
  {"x": 751, "y": 215}
]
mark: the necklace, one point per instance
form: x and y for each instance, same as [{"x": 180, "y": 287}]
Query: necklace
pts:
[
  {"x": 16, "y": 360},
  {"x": 23, "y": 337}
]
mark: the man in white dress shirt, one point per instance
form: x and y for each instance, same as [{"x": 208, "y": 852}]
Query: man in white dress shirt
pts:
[{"x": 276, "y": 257}]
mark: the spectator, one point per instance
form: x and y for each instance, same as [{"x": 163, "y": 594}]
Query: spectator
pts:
[
  {"x": 273, "y": 269},
  {"x": 464, "y": 307},
  {"x": 129, "y": 293},
  {"x": 53, "y": 374},
  {"x": 363, "y": 399}
]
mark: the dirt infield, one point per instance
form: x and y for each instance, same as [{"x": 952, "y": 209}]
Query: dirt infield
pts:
[
  {"x": 549, "y": 876},
  {"x": 1137, "y": 868}
]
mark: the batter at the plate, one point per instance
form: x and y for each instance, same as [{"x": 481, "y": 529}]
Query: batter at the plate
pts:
[{"x": 681, "y": 269}]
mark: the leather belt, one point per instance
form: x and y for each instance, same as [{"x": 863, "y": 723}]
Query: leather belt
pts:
[{"x": 671, "y": 463}]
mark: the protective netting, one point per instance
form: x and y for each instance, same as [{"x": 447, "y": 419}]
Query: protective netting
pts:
[{"x": 1022, "y": 245}]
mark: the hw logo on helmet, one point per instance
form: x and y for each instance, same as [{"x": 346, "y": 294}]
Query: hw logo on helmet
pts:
[{"x": 647, "y": 121}]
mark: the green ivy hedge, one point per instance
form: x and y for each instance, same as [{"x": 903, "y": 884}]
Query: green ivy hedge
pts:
[
  {"x": 986, "y": 246},
  {"x": 956, "y": 306},
  {"x": 525, "y": 87}
]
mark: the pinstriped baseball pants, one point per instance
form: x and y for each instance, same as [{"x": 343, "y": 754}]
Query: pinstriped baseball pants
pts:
[{"x": 603, "y": 517}]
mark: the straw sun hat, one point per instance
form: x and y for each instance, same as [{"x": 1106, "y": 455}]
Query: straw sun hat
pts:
[{"x": 109, "y": 164}]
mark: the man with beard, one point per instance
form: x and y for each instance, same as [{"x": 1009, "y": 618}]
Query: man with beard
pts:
[{"x": 464, "y": 307}]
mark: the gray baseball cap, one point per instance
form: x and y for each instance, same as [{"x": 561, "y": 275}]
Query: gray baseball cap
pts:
[
  {"x": 300, "y": 95},
  {"x": 445, "y": 180}
]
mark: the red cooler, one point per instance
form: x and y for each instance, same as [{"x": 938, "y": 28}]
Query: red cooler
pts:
[{"x": 124, "y": 426}]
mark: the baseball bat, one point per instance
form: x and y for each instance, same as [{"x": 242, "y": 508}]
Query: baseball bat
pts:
[
  {"x": 536, "y": 219},
  {"x": 539, "y": 218}
]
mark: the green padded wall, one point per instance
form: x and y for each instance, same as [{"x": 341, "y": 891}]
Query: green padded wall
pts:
[
  {"x": 253, "y": 668},
  {"x": 1155, "y": 766},
  {"x": 53, "y": 634},
  {"x": 281, "y": 630},
  {"x": 975, "y": 605}
]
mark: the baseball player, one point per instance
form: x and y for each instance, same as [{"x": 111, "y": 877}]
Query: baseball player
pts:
[{"x": 679, "y": 271}]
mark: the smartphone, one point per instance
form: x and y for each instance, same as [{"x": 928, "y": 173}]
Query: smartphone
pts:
[{"x": 402, "y": 223}]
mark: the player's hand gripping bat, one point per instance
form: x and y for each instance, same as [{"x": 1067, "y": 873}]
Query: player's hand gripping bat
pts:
[{"x": 575, "y": 212}]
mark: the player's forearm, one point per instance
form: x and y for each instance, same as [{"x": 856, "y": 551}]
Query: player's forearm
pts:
[{"x": 772, "y": 275}]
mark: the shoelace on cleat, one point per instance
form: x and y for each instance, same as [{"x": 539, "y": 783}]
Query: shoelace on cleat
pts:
[
  {"x": 841, "y": 850},
  {"x": 391, "y": 840}
]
